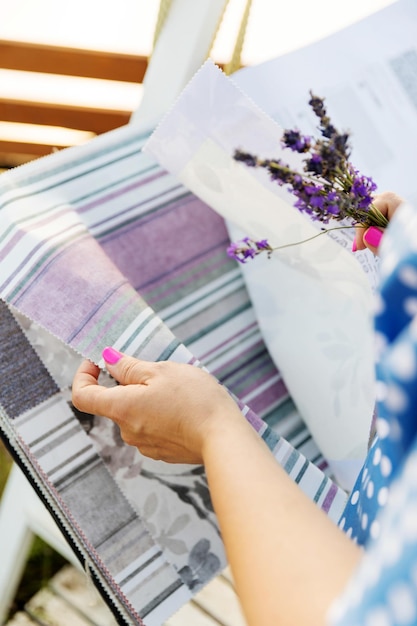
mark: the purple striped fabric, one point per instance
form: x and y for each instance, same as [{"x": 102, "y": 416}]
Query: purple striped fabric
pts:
[{"x": 99, "y": 246}]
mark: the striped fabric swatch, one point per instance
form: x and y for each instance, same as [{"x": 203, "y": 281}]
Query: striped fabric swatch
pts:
[
  {"x": 100, "y": 246},
  {"x": 51, "y": 444}
]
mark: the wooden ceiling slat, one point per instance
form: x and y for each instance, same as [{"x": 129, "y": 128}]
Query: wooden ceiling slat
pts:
[
  {"x": 63, "y": 61},
  {"x": 68, "y": 116},
  {"x": 32, "y": 57},
  {"x": 9, "y": 149}
]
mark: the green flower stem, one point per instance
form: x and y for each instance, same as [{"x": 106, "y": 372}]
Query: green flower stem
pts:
[
  {"x": 379, "y": 220},
  {"x": 297, "y": 243}
]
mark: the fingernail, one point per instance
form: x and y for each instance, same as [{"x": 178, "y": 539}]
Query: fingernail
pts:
[
  {"x": 111, "y": 356},
  {"x": 354, "y": 246},
  {"x": 373, "y": 236}
]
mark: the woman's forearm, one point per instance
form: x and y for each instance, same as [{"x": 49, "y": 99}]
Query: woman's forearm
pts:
[{"x": 289, "y": 561}]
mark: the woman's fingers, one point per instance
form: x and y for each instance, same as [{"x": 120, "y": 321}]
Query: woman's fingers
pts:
[
  {"x": 126, "y": 369},
  {"x": 387, "y": 203},
  {"x": 168, "y": 410},
  {"x": 87, "y": 395},
  {"x": 87, "y": 375},
  {"x": 372, "y": 238}
]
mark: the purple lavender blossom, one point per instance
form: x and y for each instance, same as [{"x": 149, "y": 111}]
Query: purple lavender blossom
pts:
[
  {"x": 294, "y": 140},
  {"x": 246, "y": 158},
  {"x": 362, "y": 189},
  {"x": 315, "y": 164},
  {"x": 326, "y": 127},
  {"x": 329, "y": 187},
  {"x": 247, "y": 248}
]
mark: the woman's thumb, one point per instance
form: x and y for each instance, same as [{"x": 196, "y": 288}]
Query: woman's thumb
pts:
[{"x": 125, "y": 369}]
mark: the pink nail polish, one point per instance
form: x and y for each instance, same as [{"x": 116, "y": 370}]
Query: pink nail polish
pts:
[
  {"x": 111, "y": 356},
  {"x": 373, "y": 236},
  {"x": 354, "y": 246}
]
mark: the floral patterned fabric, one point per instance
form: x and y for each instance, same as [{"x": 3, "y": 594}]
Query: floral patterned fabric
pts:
[{"x": 381, "y": 513}]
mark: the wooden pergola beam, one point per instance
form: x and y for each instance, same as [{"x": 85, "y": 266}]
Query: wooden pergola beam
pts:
[
  {"x": 64, "y": 61},
  {"x": 33, "y": 57},
  {"x": 9, "y": 150},
  {"x": 92, "y": 119}
]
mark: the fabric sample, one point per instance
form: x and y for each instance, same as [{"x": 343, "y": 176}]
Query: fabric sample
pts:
[
  {"x": 100, "y": 246},
  {"x": 24, "y": 381},
  {"x": 136, "y": 577}
]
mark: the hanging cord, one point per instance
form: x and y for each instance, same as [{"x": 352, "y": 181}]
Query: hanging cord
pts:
[{"x": 235, "y": 61}]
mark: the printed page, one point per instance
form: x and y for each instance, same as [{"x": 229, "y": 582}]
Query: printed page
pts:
[
  {"x": 327, "y": 363},
  {"x": 368, "y": 75}
]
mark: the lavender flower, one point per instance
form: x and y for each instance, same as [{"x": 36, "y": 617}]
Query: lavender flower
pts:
[
  {"x": 328, "y": 188},
  {"x": 294, "y": 140},
  {"x": 247, "y": 248}
]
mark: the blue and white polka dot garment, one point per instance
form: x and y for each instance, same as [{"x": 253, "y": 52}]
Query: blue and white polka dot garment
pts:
[{"x": 381, "y": 513}]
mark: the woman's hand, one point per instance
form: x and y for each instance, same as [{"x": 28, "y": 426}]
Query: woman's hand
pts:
[
  {"x": 167, "y": 410},
  {"x": 387, "y": 202},
  {"x": 179, "y": 413}
]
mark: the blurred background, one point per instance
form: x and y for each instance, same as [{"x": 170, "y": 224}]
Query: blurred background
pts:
[{"x": 69, "y": 71}]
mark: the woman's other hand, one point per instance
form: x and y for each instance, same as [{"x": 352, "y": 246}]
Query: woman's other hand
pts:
[{"x": 387, "y": 202}]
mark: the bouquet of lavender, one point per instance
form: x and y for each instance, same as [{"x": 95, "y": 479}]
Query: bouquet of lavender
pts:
[{"x": 329, "y": 188}]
